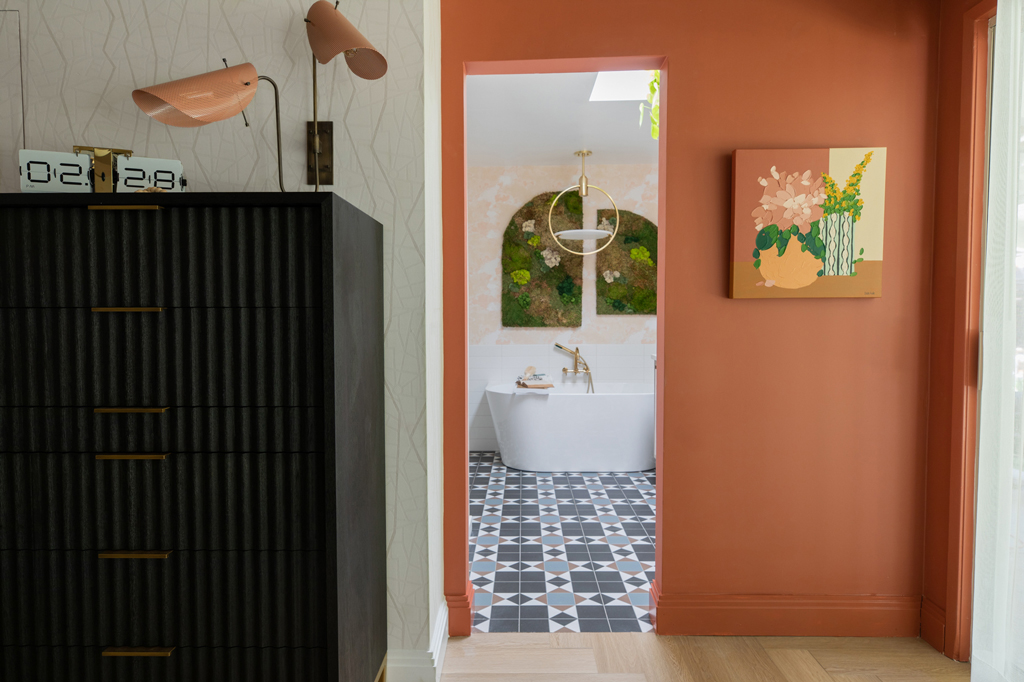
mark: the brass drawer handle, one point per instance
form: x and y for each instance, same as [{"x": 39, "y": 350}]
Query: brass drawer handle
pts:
[
  {"x": 124, "y": 207},
  {"x": 127, "y": 310},
  {"x": 130, "y": 410},
  {"x": 134, "y": 455},
  {"x": 163, "y": 651},
  {"x": 136, "y": 554}
]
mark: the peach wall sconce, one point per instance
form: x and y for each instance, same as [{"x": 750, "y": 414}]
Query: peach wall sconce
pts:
[
  {"x": 208, "y": 98},
  {"x": 331, "y": 34}
]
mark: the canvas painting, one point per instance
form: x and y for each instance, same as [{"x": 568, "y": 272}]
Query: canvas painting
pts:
[{"x": 808, "y": 223}]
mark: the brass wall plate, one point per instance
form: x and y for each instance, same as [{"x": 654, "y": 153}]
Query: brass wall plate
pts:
[{"x": 326, "y": 129}]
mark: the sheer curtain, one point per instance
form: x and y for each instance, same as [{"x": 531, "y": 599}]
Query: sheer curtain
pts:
[{"x": 997, "y": 642}]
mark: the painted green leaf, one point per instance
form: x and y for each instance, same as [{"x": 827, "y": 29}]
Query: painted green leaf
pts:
[{"x": 757, "y": 263}]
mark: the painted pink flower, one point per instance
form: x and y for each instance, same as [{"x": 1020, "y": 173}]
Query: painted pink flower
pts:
[{"x": 788, "y": 199}]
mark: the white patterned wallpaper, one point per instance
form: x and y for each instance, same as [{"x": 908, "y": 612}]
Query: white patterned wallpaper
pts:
[{"x": 82, "y": 59}]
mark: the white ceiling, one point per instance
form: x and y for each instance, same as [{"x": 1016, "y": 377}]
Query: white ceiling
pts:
[{"x": 541, "y": 119}]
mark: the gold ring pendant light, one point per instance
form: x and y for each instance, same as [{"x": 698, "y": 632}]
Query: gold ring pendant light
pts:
[{"x": 584, "y": 188}]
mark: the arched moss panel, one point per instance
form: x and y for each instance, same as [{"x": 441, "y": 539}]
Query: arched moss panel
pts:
[
  {"x": 541, "y": 284},
  {"x": 627, "y": 271}
]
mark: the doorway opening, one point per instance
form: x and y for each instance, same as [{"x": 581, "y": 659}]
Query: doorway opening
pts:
[{"x": 561, "y": 482}]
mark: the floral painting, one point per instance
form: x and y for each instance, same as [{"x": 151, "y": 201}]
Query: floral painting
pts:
[
  {"x": 541, "y": 284},
  {"x": 627, "y": 271},
  {"x": 808, "y": 223}
]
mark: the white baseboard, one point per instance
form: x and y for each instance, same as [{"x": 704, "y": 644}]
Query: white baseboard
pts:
[{"x": 413, "y": 665}]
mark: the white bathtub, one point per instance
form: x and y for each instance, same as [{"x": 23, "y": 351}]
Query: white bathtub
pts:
[{"x": 566, "y": 429}]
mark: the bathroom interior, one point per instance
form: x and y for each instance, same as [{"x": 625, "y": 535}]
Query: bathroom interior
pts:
[{"x": 562, "y": 211}]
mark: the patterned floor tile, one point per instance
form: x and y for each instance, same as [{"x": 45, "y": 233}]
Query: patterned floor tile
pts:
[{"x": 560, "y": 552}]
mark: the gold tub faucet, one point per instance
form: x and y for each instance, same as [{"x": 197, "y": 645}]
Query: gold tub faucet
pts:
[{"x": 578, "y": 360}]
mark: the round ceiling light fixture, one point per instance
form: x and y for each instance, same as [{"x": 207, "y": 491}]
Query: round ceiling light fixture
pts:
[{"x": 580, "y": 234}]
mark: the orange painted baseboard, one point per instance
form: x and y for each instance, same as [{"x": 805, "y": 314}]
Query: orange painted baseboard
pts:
[
  {"x": 785, "y": 615},
  {"x": 933, "y": 624},
  {"x": 460, "y": 612}
]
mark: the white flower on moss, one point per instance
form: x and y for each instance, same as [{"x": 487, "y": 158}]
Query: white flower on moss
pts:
[
  {"x": 528, "y": 225},
  {"x": 551, "y": 258},
  {"x": 610, "y": 275}
]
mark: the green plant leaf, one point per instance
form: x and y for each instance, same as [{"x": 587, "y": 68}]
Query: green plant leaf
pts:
[
  {"x": 767, "y": 237},
  {"x": 757, "y": 253},
  {"x": 862, "y": 252},
  {"x": 757, "y": 263}
]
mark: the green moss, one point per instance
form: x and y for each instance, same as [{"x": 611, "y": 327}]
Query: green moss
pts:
[
  {"x": 573, "y": 203},
  {"x": 520, "y": 277},
  {"x": 569, "y": 292},
  {"x": 634, "y": 253},
  {"x": 645, "y": 302},
  {"x": 514, "y": 315},
  {"x": 515, "y": 256},
  {"x": 533, "y": 294}
]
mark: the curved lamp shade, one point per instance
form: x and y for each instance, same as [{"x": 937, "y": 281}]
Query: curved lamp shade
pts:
[
  {"x": 198, "y": 100},
  {"x": 330, "y": 34}
]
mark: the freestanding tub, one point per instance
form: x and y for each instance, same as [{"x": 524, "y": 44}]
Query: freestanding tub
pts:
[{"x": 567, "y": 429}]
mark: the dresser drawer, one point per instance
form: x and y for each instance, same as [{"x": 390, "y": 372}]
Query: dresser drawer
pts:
[
  {"x": 178, "y": 356},
  {"x": 208, "y": 501},
  {"x": 179, "y": 429},
  {"x": 208, "y": 664},
  {"x": 190, "y": 598},
  {"x": 60, "y": 256}
]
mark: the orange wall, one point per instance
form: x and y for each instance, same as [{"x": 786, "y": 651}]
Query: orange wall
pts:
[{"x": 792, "y": 441}]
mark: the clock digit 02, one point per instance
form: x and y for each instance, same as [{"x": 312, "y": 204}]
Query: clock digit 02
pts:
[{"x": 43, "y": 171}]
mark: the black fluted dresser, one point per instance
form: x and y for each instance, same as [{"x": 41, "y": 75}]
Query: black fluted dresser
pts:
[{"x": 191, "y": 438}]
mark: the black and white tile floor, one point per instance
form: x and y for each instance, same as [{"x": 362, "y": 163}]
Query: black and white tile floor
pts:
[{"x": 561, "y": 552}]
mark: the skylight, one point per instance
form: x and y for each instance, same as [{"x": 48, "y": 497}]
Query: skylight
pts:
[{"x": 618, "y": 86}]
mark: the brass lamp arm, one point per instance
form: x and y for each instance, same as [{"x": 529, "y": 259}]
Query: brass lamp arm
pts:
[{"x": 277, "y": 115}]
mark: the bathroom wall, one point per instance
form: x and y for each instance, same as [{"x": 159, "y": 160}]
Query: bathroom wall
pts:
[
  {"x": 82, "y": 58},
  {"x": 617, "y": 347}
]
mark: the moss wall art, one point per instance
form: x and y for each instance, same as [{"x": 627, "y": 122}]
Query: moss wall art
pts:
[
  {"x": 627, "y": 271},
  {"x": 541, "y": 284}
]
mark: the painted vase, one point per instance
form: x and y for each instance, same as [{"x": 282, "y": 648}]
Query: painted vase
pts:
[{"x": 837, "y": 234}]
